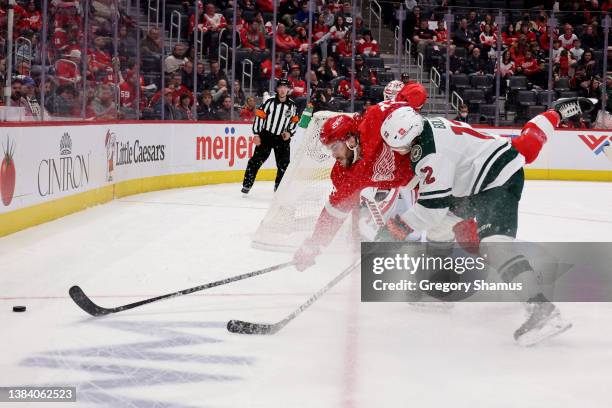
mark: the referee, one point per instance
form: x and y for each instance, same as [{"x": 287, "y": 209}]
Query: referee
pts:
[{"x": 274, "y": 125}]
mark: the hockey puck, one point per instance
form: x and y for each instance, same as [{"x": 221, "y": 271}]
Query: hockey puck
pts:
[{"x": 19, "y": 308}]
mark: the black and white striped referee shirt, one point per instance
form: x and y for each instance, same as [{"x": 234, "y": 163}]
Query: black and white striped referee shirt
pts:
[{"x": 276, "y": 117}]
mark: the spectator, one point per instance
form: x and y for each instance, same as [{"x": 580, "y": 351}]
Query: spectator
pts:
[
  {"x": 127, "y": 96},
  {"x": 319, "y": 29},
  {"x": 347, "y": 13},
  {"x": 362, "y": 74},
  {"x": 170, "y": 112},
  {"x": 287, "y": 63},
  {"x": 368, "y": 46},
  {"x": 62, "y": 102},
  {"x": 329, "y": 71},
  {"x": 527, "y": 33},
  {"x": 441, "y": 33},
  {"x": 298, "y": 86},
  {"x": 178, "y": 58},
  {"x": 315, "y": 61},
  {"x": 463, "y": 113},
  {"x": 201, "y": 76},
  {"x": 247, "y": 114},
  {"x": 239, "y": 97},
  {"x": 211, "y": 24},
  {"x": 509, "y": 36},
  {"x": 556, "y": 51},
  {"x": 506, "y": 67},
  {"x": 568, "y": 37},
  {"x": 576, "y": 50},
  {"x": 219, "y": 92},
  {"x": 302, "y": 40},
  {"x": 412, "y": 21},
  {"x": 562, "y": 64},
  {"x": 152, "y": 44},
  {"x": 463, "y": 37},
  {"x": 17, "y": 99},
  {"x": 266, "y": 68},
  {"x": 586, "y": 69},
  {"x": 339, "y": 29},
  {"x": 100, "y": 61},
  {"x": 183, "y": 110},
  {"x": 103, "y": 106},
  {"x": 225, "y": 110},
  {"x": 33, "y": 108},
  {"x": 186, "y": 72},
  {"x": 205, "y": 109},
  {"x": 216, "y": 73},
  {"x": 301, "y": 17},
  {"x": 530, "y": 67},
  {"x": 344, "y": 89},
  {"x": 68, "y": 71},
  {"x": 345, "y": 46},
  {"x": 126, "y": 45},
  {"x": 589, "y": 39},
  {"x": 487, "y": 38},
  {"x": 253, "y": 39},
  {"x": 473, "y": 25},
  {"x": 285, "y": 42},
  {"x": 475, "y": 64}
]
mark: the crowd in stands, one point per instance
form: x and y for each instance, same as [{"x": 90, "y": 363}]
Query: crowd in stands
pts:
[
  {"x": 576, "y": 55},
  {"x": 108, "y": 63},
  {"x": 96, "y": 67}
]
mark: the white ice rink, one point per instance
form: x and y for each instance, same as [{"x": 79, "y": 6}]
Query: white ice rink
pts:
[{"x": 339, "y": 353}]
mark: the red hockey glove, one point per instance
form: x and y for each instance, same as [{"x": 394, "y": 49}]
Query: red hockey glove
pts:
[
  {"x": 306, "y": 255},
  {"x": 466, "y": 235},
  {"x": 395, "y": 230}
]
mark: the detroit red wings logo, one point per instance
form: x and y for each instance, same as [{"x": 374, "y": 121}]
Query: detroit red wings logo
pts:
[{"x": 384, "y": 165}]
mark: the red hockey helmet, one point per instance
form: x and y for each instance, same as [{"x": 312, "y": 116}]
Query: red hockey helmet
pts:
[
  {"x": 414, "y": 94},
  {"x": 338, "y": 128}
]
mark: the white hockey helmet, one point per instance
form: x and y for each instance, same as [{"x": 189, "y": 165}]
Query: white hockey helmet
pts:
[
  {"x": 392, "y": 89},
  {"x": 400, "y": 128}
]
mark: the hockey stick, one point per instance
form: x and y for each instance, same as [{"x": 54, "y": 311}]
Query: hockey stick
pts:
[
  {"x": 85, "y": 303},
  {"x": 243, "y": 327}
]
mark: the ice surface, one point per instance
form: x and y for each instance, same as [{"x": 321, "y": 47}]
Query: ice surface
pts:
[{"x": 339, "y": 353}]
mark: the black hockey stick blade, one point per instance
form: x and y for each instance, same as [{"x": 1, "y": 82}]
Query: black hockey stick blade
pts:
[
  {"x": 84, "y": 302},
  {"x": 242, "y": 327}
]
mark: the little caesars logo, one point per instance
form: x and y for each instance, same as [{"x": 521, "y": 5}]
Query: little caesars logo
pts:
[
  {"x": 64, "y": 173},
  {"x": 120, "y": 153}
]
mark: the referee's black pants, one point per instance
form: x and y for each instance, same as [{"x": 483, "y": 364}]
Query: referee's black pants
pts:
[{"x": 261, "y": 154}]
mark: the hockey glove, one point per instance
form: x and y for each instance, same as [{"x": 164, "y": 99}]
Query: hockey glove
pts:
[
  {"x": 466, "y": 235},
  {"x": 395, "y": 230},
  {"x": 306, "y": 255}
]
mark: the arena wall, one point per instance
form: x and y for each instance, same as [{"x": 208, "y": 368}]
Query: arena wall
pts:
[{"x": 63, "y": 167}]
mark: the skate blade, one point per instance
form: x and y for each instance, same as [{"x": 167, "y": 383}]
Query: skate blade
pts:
[
  {"x": 431, "y": 307},
  {"x": 549, "y": 330}
]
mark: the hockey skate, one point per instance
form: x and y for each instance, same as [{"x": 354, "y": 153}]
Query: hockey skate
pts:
[
  {"x": 544, "y": 321},
  {"x": 570, "y": 107}
]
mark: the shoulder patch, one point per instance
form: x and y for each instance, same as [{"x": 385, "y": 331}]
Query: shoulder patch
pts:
[{"x": 416, "y": 152}]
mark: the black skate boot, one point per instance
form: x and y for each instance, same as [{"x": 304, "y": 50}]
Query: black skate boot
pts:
[
  {"x": 544, "y": 321},
  {"x": 573, "y": 107}
]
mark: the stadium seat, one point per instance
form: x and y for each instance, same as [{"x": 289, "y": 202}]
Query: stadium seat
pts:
[
  {"x": 487, "y": 110},
  {"x": 484, "y": 82},
  {"x": 460, "y": 82},
  {"x": 533, "y": 111},
  {"x": 526, "y": 98},
  {"x": 518, "y": 82},
  {"x": 374, "y": 62},
  {"x": 562, "y": 84},
  {"x": 460, "y": 52},
  {"x": 474, "y": 97},
  {"x": 543, "y": 97},
  {"x": 567, "y": 94}
]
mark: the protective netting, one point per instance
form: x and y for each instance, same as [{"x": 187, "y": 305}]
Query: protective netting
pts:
[{"x": 301, "y": 195}]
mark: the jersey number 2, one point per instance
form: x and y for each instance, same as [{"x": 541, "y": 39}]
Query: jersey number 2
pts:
[{"x": 428, "y": 171}]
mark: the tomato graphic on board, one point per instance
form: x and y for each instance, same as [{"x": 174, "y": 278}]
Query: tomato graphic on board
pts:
[{"x": 7, "y": 174}]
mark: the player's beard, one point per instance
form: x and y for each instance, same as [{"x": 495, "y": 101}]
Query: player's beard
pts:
[{"x": 347, "y": 160}]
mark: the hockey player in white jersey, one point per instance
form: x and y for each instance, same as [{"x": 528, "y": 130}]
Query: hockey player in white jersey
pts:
[{"x": 476, "y": 175}]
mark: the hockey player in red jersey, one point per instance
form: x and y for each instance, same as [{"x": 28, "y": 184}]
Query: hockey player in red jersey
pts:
[{"x": 362, "y": 160}]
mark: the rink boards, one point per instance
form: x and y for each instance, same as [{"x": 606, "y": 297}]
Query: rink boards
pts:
[{"x": 60, "y": 168}]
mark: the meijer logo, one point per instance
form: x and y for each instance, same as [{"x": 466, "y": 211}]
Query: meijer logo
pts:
[{"x": 228, "y": 147}]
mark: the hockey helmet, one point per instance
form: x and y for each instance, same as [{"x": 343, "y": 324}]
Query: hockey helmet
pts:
[
  {"x": 338, "y": 129},
  {"x": 392, "y": 89},
  {"x": 414, "y": 94},
  {"x": 283, "y": 82},
  {"x": 401, "y": 127}
]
